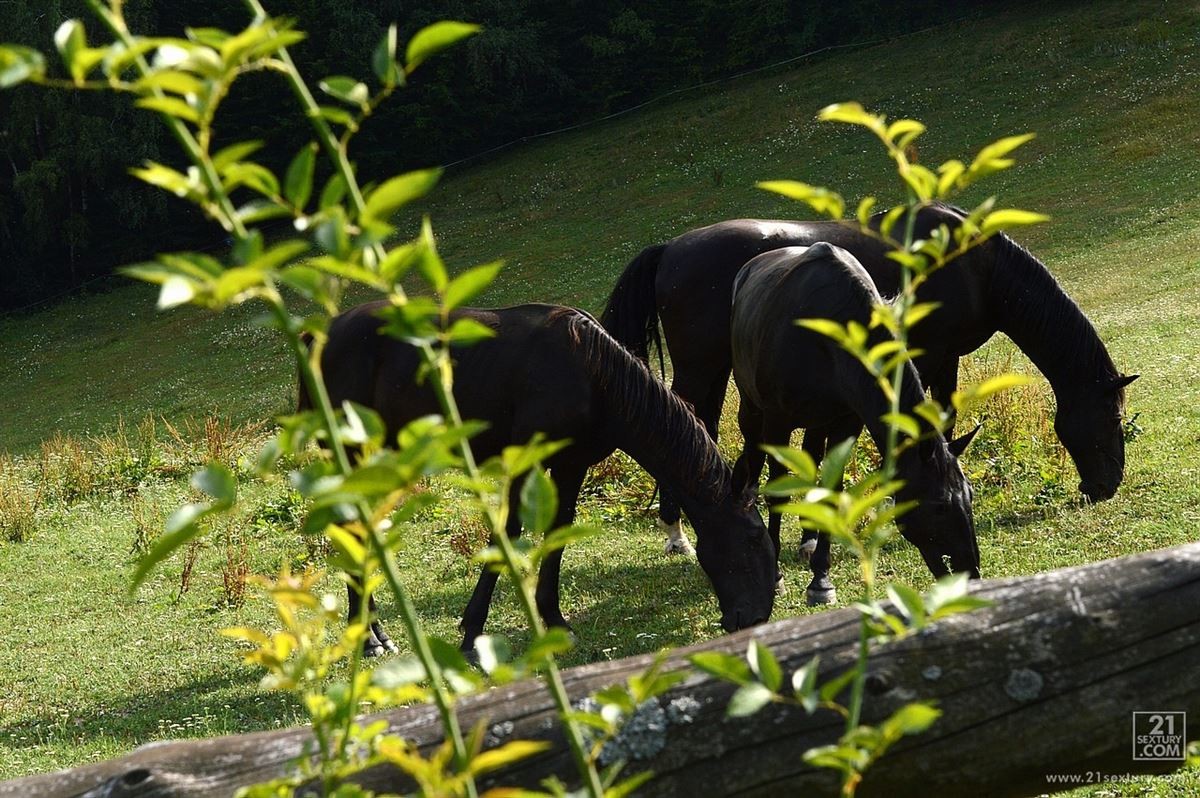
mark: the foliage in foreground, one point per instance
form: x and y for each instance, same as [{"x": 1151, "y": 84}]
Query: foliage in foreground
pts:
[{"x": 361, "y": 504}]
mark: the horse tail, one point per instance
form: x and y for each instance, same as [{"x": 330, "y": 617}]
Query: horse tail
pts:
[{"x": 631, "y": 315}]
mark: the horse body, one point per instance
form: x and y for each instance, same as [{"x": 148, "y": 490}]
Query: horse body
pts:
[
  {"x": 995, "y": 287},
  {"x": 790, "y": 377},
  {"x": 555, "y": 371}
]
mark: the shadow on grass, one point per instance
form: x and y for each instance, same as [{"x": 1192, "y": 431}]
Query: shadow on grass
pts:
[{"x": 204, "y": 708}]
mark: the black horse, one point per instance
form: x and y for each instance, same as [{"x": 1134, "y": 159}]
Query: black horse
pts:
[
  {"x": 554, "y": 370},
  {"x": 995, "y": 287},
  {"x": 790, "y": 377}
]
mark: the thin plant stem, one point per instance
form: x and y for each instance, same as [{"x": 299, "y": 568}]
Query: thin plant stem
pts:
[{"x": 557, "y": 688}]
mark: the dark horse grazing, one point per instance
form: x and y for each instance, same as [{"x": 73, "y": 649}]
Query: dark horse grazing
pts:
[
  {"x": 996, "y": 287},
  {"x": 790, "y": 377},
  {"x": 556, "y": 371}
]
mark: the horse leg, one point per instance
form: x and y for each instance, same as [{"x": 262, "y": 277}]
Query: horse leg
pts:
[
  {"x": 775, "y": 435},
  {"x": 568, "y": 480},
  {"x": 820, "y": 589},
  {"x": 816, "y": 440},
  {"x": 475, "y": 615},
  {"x": 706, "y": 395}
]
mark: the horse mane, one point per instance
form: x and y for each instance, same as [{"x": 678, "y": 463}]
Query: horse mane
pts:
[
  {"x": 653, "y": 413},
  {"x": 1034, "y": 302}
]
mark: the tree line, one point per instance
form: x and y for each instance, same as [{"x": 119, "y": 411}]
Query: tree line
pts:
[{"x": 70, "y": 213}]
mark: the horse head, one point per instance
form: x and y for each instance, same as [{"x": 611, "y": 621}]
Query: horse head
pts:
[
  {"x": 940, "y": 524},
  {"x": 1090, "y": 425},
  {"x": 736, "y": 553}
]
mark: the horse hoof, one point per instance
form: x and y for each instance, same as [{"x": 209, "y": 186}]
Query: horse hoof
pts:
[
  {"x": 807, "y": 549},
  {"x": 679, "y": 546},
  {"x": 374, "y": 649},
  {"x": 780, "y": 588},
  {"x": 676, "y": 542},
  {"x": 819, "y": 596}
]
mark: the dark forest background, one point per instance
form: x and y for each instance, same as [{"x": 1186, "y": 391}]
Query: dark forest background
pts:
[{"x": 69, "y": 211}]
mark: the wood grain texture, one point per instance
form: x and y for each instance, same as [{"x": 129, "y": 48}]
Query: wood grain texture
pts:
[{"x": 1043, "y": 682}]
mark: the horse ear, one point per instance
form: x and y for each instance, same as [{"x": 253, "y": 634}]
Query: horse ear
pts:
[
  {"x": 1122, "y": 381},
  {"x": 959, "y": 445}
]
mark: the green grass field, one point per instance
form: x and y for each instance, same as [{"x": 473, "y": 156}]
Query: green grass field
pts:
[{"x": 88, "y": 671}]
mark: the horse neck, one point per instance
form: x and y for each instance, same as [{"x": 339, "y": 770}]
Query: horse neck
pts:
[
  {"x": 651, "y": 424},
  {"x": 1044, "y": 322},
  {"x": 860, "y": 391}
]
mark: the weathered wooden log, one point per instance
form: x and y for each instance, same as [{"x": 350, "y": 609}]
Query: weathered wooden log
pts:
[{"x": 1040, "y": 686}]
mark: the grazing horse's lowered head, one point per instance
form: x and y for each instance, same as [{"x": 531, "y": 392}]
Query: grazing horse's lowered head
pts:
[
  {"x": 1089, "y": 422},
  {"x": 739, "y": 559},
  {"x": 940, "y": 524}
]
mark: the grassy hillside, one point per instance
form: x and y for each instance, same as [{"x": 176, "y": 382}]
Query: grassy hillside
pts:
[{"x": 87, "y": 671}]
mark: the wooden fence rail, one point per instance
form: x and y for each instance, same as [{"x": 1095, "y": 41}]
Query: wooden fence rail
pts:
[{"x": 1040, "y": 686}]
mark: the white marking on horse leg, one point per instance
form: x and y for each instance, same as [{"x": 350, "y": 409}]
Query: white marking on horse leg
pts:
[{"x": 677, "y": 542}]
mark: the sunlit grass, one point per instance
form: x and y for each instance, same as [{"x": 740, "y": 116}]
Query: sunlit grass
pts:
[{"x": 88, "y": 671}]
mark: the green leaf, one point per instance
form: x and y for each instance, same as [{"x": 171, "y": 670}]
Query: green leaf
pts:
[
  {"x": 969, "y": 397},
  {"x": 217, "y": 481},
  {"x": 539, "y": 501},
  {"x": 466, "y": 331},
  {"x": 254, "y": 176},
  {"x": 821, "y": 200},
  {"x": 910, "y": 719},
  {"x": 260, "y": 210},
  {"x": 748, "y": 699},
  {"x": 171, "y": 106},
  {"x": 948, "y": 177},
  {"x": 163, "y": 548},
  {"x": 383, "y": 59},
  {"x": 339, "y": 116},
  {"x": 851, "y": 113},
  {"x": 435, "y": 38},
  {"x": 723, "y": 666},
  {"x": 430, "y": 263},
  {"x": 863, "y": 214},
  {"x": 555, "y": 641},
  {"x": 1008, "y": 218},
  {"x": 166, "y": 178},
  {"x": 171, "y": 80},
  {"x": 903, "y": 131},
  {"x": 70, "y": 39},
  {"x": 909, "y": 602},
  {"x": 176, "y": 290},
  {"x": 346, "y": 269},
  {"x": 999, "y": 149},
  {"x": 470, "y": 284},
  {"x": 834, "y": 464},
  {"x": 835, "y": 757},
  {"x": 627, "y": 787},
  {"x": 397, "y": 192},
  {"x": 906, "y": 424},
  {"x": 334, "y": 191},
  {"x": 346, "y": 89},
  {"x": 832, "y": 688},
  {"x": 764, "y": 665},
  {"x": 19, "y": 64},
  {"x": 230, "y": 155},
  {"x": 830, "y": 329},
  {"x": 299, "y": 179},
  {"x": 507, "y": 754},
  {"x": 804, "y": 684},
  {"x": 493, "y": 651},
  {"x": 797, "y": 461}
]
